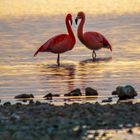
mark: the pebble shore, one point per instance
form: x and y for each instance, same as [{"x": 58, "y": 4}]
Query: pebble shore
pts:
[{"x": 88, "y": 121}]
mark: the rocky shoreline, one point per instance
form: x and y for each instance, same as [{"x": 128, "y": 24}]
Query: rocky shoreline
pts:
[
  {"x": 88, "y": 121},
  {"x": 35, "y": 120}
]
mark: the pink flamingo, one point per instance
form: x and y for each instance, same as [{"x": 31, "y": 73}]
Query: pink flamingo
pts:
[
  {"x": 92, "y": 40},
  {"x": 60, "y": 43}
]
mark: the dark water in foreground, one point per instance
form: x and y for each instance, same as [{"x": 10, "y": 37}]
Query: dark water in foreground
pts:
[{"x": 20, "y": 72}]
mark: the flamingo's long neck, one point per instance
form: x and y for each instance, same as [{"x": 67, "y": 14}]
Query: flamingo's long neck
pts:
[
  {"x": 80, "y": 30},
  {"x": 71, "y": 34}
]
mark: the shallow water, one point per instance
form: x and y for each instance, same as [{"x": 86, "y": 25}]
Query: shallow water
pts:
[{"x": 23, "y": 73}]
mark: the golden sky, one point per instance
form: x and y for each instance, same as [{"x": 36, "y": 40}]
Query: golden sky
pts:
[{"x": 57, "y": 7}]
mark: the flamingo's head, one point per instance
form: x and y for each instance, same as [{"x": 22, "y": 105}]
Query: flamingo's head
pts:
[
  {"x": 80, "y": 15},
  {"x": 69, "y": 18}
]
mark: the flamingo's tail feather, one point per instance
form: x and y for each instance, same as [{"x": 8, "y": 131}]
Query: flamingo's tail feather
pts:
[
  {"x": 37, "y": 51},
  {"x": 106, "y": 43}
]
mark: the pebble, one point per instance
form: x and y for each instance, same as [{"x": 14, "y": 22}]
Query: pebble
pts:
[
  {"x": 15, "y": 117},
  {"x": 18, "y": 104},
  {"x": 49, "y": 96},
  {"x": 38, "y": 103},
  {"x": 130, "y": 131},
  {"x": 7, "y": 104},
  {"x": 31, "y": 102},
  {"x": 75, "y": 92},
  {"x": 107, "y": 100},
  {"x": 90, "y": 91},
  {"x": 24, "y": 96}
]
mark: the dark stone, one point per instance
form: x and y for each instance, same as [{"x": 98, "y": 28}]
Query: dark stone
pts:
[
  {"x": 90, "y": 91},
  {"x": 38, "y": 103},
  {"x": 24, "y": 96},
  {"x": 55, "y": 95},
  {"x": 126, "y": 92},
  {"x": 18, "y": 104},
  {"x": 31, "y": 102},
  {"x": 48, "y": 96},
  {"x": 114, "y": 93},
  {"x": 96, "y": 134},
  {"x": 75, "y": 92},
  {"x": 130, "y": 131},
  {"x": 107, "y": 100},
  {"x": 7, "y": 104},
  {"x": 104, "y": 134}
]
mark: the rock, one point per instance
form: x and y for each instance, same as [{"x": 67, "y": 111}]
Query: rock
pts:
[
  {"x": 90, "y": 91},
  {"x": 107, "y": 100},
  {"x": 15, "y": 117},
  {"x": 24, "y": 96},
  {"x": 38, "y": 103},
  {"x": 114, "y": 93},
  {"x": 31, "y": 102},
  {"x": 18, "y": 104},
  {"x": 127, "y": 92},
  {"x": 75, "y": 92},
  {"x": 55, "y": 95},
  {"x": 130, "y": 131},
  {"x": 7, "y": 104},
  {"x": 96, "y": 134},
  {"x": 50, "y": 95}
]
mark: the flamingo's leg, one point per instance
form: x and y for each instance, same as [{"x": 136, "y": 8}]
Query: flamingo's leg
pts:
[
  {"x": 58, "y": 60},
  {"x": 94, "y": 55}
]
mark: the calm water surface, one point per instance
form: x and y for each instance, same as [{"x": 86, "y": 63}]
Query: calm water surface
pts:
[{"x": 20, "y": 72}]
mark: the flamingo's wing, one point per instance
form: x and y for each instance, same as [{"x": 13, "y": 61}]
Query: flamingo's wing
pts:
[
  {"x": 93, "y": 36},
  {"x": 97, "y": 38},
  {"x": 53, "y": 43},
  {"x": 61, "y": 44}
]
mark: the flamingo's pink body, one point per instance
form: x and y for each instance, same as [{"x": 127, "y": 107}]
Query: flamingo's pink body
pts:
[
  {"x": 59, "y": 43},
  {"x": 92, "y": 40}
]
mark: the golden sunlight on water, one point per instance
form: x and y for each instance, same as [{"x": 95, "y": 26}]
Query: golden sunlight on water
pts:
[{"x": 55, "y": 7}]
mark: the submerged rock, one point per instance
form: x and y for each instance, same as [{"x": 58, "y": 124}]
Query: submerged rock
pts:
[
  {"x": 75, "y": 92},
  {"x": 48, "y": 96},
  {"x": 126, "y": 92},
  {"x": 31, "y": 102},
  {"x": 107, "y": 100},
  {"x": 18, "y": 104},
  {"x": 7, "y": 104},
  {"x": 90, "y": 91},
  {"x": 24, "y": 96},
  {"x": 37, "y": 103}
]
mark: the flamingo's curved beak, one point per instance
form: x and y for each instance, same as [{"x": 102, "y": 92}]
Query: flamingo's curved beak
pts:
[{"x": 76, "y": 21}]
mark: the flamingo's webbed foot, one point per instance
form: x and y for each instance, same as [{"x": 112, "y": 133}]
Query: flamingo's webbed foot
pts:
[{"x": 94, "y": 55}]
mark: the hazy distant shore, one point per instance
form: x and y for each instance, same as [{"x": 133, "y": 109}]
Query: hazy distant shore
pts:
[{"x": 43, "y": 121}]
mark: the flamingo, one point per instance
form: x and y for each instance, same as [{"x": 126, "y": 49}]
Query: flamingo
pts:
[
  {"x": 60, "y": 43},
  {"x": 92, "y": 40}
]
